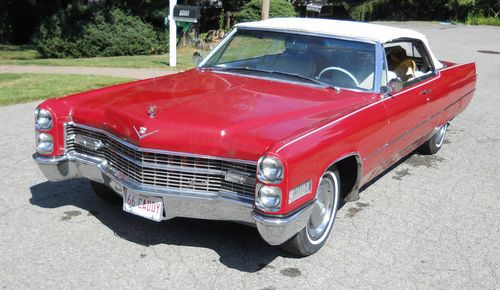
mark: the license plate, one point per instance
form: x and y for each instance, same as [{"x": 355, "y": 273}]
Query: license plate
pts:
[{"x": 150, "y": 207}]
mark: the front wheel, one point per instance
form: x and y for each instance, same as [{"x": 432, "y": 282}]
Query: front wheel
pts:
[
  {"x": 310, "y": 239},
  {"x": 435, "y": 143}
]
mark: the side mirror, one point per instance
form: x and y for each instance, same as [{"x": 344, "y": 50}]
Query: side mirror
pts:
[
  {"x": 394, "y": 86},
  {"x": 385, "y": 91},
  {"x": 197, "y": 58}
]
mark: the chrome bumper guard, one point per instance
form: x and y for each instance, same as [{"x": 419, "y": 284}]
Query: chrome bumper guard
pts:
[{"x": 177, "y": 203}]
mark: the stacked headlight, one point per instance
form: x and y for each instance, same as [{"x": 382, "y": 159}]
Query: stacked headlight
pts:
[
  {"x": 270, "y": 170},
  {"x": 268, "y": 198},
  {"x": 43, "y": 119},
  {"x": 44, "y": 140},
  {"x": 44, "y": 143}
]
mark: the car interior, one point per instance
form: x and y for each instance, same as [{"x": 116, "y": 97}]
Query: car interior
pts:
[
  {"x": 340, "y": 66},
  {"x": 407, "y": 61},
  {"x": 341, "y": 63}
]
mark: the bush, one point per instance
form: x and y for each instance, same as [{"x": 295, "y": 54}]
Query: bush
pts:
[
  {"x": 404, "y": 10},
  {"x": 482, "y": 20},
  {"x": 102, "y": 34},
  {"x": 118, "y": 34},
  {"x": 57, "y": 35},
  {"x": 278, "y": 8}
]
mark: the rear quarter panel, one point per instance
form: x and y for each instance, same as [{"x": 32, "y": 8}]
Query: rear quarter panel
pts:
[{"x": 454, "y": 92}]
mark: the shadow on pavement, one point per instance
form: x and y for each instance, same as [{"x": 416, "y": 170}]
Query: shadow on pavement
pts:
[{"x": 238, "y": 246}]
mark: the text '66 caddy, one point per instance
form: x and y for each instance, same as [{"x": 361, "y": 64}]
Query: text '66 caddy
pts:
[{"x": 283, "y": 121}]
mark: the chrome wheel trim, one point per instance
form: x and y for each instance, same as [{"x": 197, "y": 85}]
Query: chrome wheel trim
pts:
[
  {"x": 440, "y": 134},
  {"x": 324, "y": 209}
]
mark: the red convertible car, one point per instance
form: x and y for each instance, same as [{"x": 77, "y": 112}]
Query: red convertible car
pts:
[{"x": 279, "y": 125}]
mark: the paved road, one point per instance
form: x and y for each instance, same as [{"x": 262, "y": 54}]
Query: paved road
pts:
[
  {"x": 431, "y": 222},
  {"x": 135, "y": 73}
]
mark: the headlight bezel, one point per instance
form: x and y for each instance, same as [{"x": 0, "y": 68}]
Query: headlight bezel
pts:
[
  {"x": 272, "y": 190},
  {"x": 43, "y": 120},
  {"x": 266, "y": 178}
]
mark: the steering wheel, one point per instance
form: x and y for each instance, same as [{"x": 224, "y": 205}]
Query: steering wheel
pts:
[{"x": 340, "y": 70}]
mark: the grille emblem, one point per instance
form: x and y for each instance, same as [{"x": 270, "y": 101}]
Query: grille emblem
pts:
[
  {"x": 141, "y": 133},
  {"x": 152, "y": 111}
]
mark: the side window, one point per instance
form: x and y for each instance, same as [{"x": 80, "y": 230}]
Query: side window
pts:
[{"x": 408, "y": 61}]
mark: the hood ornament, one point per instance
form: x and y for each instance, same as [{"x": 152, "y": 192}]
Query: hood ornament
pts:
[
  {"x": 152, "y": 111},
  {"x": 141, "y": 133}
]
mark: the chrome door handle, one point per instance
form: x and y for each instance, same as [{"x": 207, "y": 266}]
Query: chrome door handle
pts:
[{"x": 425, "y": 92}]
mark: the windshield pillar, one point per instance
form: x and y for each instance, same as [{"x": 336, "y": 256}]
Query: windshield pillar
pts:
[{"x": 379, "y": 66}]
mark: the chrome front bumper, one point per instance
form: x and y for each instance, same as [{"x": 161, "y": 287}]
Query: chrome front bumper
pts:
[{"x": 178, "y": 203}]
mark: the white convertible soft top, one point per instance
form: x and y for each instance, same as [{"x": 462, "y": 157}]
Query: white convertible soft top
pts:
[{"x": 345, "y": 29}]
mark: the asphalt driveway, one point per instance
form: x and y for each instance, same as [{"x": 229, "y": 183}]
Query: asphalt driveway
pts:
[{"x": 430, "y": 222}]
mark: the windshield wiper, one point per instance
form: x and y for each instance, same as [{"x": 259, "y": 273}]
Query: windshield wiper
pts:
[
  {"x": 297, "y": 76},
  {"x": 312, "y": 80}
]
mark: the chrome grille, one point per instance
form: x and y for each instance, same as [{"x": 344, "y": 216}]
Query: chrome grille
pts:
[{"x": 164, "y": 170}]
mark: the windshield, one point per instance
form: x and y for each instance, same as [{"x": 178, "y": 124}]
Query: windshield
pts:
[{"x": 305, "y": 58}]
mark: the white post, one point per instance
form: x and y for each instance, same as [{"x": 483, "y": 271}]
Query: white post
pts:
[{"x": 172, "y": 31}]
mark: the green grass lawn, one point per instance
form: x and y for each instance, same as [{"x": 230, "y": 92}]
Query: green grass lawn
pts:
[
  {"x": 25, "y": 55},
  {"x": 18, "y": 88},
  {"x": 17, "y": 52}
]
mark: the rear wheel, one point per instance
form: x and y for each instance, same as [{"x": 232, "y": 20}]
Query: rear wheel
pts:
[
  {"x": 435, "y": 143},
  {"x": 310, "y": 239},
  {"x": 105, "y": 193}
]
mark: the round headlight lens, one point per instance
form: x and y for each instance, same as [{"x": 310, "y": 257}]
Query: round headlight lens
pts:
[
  {"x": 268, "y": 198},
  {"x": 270, "y": 170},
  {"x": 43, "y": 119},
  {"x": 44, "y": 143}
]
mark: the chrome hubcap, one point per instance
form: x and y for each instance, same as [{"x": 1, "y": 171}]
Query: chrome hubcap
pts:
[
  {"x": 439, "y": 136},
  {"x": 322, "y": 209}
]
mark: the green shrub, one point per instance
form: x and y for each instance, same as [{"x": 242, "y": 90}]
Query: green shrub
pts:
[
  {"x": 56, "y": 36},
  {"x": 102, "y": 34},
  {"x": 404, "y": 10},
  {"x": 118, "y": 34},
  {"x": 278, "y": 8},
  {"x": 482, "y": 20}
]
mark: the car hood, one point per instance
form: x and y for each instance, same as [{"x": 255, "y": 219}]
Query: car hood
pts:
[{"x": 212, "y": 113}]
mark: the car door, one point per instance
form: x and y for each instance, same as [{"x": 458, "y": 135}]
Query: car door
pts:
[{"x": 408, "y": 110}]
